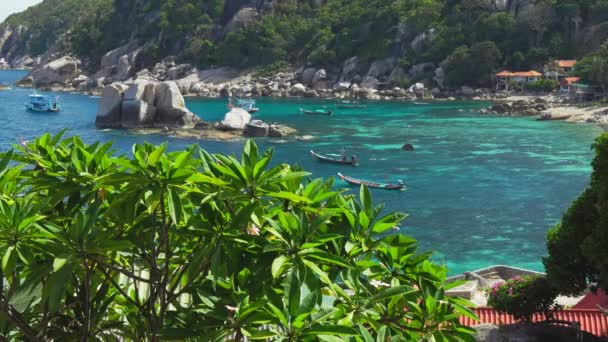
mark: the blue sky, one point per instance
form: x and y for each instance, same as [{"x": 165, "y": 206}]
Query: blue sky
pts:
[{"x": 8, "y": 7}]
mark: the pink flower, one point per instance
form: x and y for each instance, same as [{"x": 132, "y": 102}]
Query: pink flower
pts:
[
  {"x": 231, "y": 308},
  {"x": 253, "y": 230}
]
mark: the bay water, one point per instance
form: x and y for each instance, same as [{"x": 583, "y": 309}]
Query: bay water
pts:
[{"x": 481, "y": 189}]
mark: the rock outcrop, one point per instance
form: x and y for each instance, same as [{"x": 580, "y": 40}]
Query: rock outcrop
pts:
[
  {"x": 59, "y": 72},
  {"x": 143, "y": 105},
  {"x": 235, "y": 119}
]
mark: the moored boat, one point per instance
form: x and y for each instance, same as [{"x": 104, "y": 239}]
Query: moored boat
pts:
[
  {"x": 354, "y": 181},
  {"x": 316, "y": 112},
  {"x": 247, "y": 104},
  {"x": 353, "y": 161},
  {"x": 42, "y": 103}
]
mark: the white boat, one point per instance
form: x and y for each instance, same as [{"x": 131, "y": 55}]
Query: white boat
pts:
[
  {"x": 42, "y": 103},
  {"x": 247, "y": 104}
]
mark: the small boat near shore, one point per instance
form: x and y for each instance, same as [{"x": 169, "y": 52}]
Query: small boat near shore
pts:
[
  {"x": 353, "y": 161},
  {"x": 42, "y": 103},
  {"x": 316, "y": 112},
  {"x": 247, "y": 104},
  {"x": 355, "y": 181}
]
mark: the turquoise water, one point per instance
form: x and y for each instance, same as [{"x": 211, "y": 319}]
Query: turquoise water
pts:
[{"x": 482, "y": 190}]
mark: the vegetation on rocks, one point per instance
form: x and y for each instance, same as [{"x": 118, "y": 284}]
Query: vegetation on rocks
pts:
[
  {"x": 179, "y": 245},
  {"x": 491, "y": 34},
  {"x": 577, "y": 245}
]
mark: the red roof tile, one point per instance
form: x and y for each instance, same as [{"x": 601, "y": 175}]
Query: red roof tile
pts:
[
  {"x": 566, "y": 63},
  {"x": 592, "y": 300},
  {"x": 591, "y": 321}
]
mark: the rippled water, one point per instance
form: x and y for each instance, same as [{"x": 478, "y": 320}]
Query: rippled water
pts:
[{"x": 482, "y": 190}]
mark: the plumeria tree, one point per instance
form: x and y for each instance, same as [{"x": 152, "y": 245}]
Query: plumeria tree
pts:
[{"x": 188, "y": 245}]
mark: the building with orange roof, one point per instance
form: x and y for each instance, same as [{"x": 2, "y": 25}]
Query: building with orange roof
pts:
[
  {"x": 559, "y": 68},
  {"x": 567, "y": 83},
  {"x": 506, "y": 78}
]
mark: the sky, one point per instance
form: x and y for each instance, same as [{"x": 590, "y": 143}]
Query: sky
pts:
[{"x": 8, "y": 7}]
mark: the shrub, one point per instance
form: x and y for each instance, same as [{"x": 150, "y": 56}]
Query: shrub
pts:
[
  {"x": 191, "y": 246},
  {"x": 522, "y": 297},
  {"x": 543, "y": 85}
]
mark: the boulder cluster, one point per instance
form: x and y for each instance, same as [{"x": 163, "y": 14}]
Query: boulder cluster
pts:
[
  {"x": 143, "y": 105},
  {"x": 376, "y": 80},
  {"x": 160, "y": 105},
  {"x": 520, "y": 107}
]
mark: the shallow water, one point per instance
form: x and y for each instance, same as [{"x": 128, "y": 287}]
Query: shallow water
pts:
[{"x": 482, "y": 190}]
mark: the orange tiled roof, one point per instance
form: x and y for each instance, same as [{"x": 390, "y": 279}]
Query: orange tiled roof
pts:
[
  {"x": 566, "y": 63},
  {"x": 571, "y": 80},
  {"x": 530, "y": 73},
  {"x": 591, "y": 321}
]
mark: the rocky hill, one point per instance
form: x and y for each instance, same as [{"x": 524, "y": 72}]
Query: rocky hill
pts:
[{"x": 319, "y": 44}]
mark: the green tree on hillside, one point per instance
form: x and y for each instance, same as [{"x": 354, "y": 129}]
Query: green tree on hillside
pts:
[
  {"x": 594, "y": 68},
  {"x": 577, "y": 245}
]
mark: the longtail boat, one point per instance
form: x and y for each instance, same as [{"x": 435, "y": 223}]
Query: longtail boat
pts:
[
  {"x": 354, "y": 181},
  {"x": 353, "y": 161},
  {"x": 316, "y": 112}
]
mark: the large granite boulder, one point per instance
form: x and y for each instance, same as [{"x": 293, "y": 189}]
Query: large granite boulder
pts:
[
  {"x": 109, "y": 107},
  {"x": 171, "y": 106},
  {"x": 59, "y": 72},
  {"x": 256, "y": 128},
  {"x": 279, "y": 131},
  {"x": 137, "y": 113},
  {"x": 235, "y": 119},
  {"x": 381, "y": 68},
  {"x": 143, "y": 105},
  {"x": 307, "y": 76},
  {"x": 297, "y": 90},
  {"x": 349, "y": 68},
  {"x": 244, "y": 17},
  {"x": 369, "y": 82}
]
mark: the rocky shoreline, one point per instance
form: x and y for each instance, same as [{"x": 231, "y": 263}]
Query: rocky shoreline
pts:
[
  {"x": 378, "y": 80},
  {"x": 355, "y": 80}
]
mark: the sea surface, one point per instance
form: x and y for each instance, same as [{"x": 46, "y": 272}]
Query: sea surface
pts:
[{"x": 482, "y": 190}]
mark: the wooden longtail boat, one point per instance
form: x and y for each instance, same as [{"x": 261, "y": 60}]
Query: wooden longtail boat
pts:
[
  {"x": 354, "y": 181},
  {"x": 353, "y": 161},
  {"x": 316, "y": 112}
]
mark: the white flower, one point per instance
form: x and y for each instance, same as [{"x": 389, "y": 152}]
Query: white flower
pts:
[
  {"x": 253, "y": 230},
  {"x": 231, "y": 308},
  {"x": 377, "y": 283},
  {"x": 396, "y": 228}
]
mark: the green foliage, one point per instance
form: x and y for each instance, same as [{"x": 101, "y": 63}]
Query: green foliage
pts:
[
  {"x": 594, "y": 67},
  {"x": 543, "y": 85},
  {"x": 472, "y": 66},
  {"x": 523, "y": 297},
  {"x": 178, "y": 245},
  {"x": 576, "y": 246},
  {"x": 326, "y": 33}
]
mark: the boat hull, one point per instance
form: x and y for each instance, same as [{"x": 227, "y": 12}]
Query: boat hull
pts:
[
  {"x": 313, "y": 112},
  {"x": 332, "y": 160},
  {"x": 359, "y": 182}
]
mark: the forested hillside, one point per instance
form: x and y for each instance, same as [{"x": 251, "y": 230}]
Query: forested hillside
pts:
[{"x": 470, "y": 38}]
